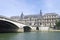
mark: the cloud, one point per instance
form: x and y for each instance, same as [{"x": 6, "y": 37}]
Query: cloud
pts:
[
  {"x": 25, "y": 7},
  {"x": 16, "y": 7}
]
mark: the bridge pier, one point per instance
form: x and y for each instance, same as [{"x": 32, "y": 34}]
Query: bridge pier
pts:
[
  {"x": 20, "y": 30},
  {"x": 33, "y": 29},
  {"x": 24, "y": 29}
]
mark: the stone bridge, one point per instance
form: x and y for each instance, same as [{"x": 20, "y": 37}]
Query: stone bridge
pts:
[{"x": 8, "y": 25}]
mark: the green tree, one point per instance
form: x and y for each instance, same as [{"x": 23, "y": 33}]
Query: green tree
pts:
[{"x": 57, "y": 25}]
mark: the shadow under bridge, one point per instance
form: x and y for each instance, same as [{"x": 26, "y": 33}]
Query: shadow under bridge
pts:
[
  {"x": 27, "y": 29},
  {"x": 6, "y": 26}
]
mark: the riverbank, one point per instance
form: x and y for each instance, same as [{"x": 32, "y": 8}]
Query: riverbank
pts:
[
  {"x": 45, "y": 31},
  {"x": 41, "y": 31},
  {"x": 54, "y": 30},
  {"x": 50, "y": 30}
]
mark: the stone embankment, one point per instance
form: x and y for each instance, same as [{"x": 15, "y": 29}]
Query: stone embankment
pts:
[{"x": 33, "y": 30}]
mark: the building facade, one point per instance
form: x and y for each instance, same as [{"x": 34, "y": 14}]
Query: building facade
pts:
[{"x": 46, "y": 20}]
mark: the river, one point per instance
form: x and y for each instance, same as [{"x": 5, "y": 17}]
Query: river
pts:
[{"x": 30, "y": 36}]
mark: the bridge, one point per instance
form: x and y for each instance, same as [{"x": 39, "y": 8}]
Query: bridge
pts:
[{"x": 8, "y": 25}]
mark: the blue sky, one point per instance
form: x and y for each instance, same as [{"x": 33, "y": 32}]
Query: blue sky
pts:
[{"x": 28, "y": 7}]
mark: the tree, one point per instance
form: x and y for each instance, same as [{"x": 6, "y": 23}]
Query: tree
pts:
[{"x": 57, "y": 26}]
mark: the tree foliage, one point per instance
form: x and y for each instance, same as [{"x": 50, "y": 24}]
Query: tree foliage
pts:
[{"x": 57, "y": 26}]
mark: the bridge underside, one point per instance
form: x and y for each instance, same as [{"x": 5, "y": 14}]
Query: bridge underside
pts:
[
  {"x": 7, "y": 27},
  {"x": 27, "y": 29}
]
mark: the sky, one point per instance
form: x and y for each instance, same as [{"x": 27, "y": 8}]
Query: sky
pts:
[{"x": 28, "y": 7}]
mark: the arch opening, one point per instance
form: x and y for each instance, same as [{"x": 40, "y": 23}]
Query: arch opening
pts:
[
  {"x": 37, "y": 28},
  {"x": 6, "y": 26},
  {"x": 27, "y": 29}
]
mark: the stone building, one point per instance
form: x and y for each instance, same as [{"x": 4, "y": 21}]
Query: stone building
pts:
[
  {"x": 49, "y": 19},
  {"x": 46, "y": 20}
]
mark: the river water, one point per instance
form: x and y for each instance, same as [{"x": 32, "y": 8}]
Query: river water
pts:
[{"x": 30, "y": 36}]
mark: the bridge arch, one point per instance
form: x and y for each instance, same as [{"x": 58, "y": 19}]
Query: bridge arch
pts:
[
  {"x": 6, "y": 26},
  {"x": 27, "y": 29}
]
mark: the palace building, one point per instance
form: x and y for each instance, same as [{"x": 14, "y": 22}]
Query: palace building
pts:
[{"x": 46, "y": 20}]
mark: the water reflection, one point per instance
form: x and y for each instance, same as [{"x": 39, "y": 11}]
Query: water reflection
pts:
[
  {"x": 30, "y": 36},
  {"x": 7, "y": 36}
]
